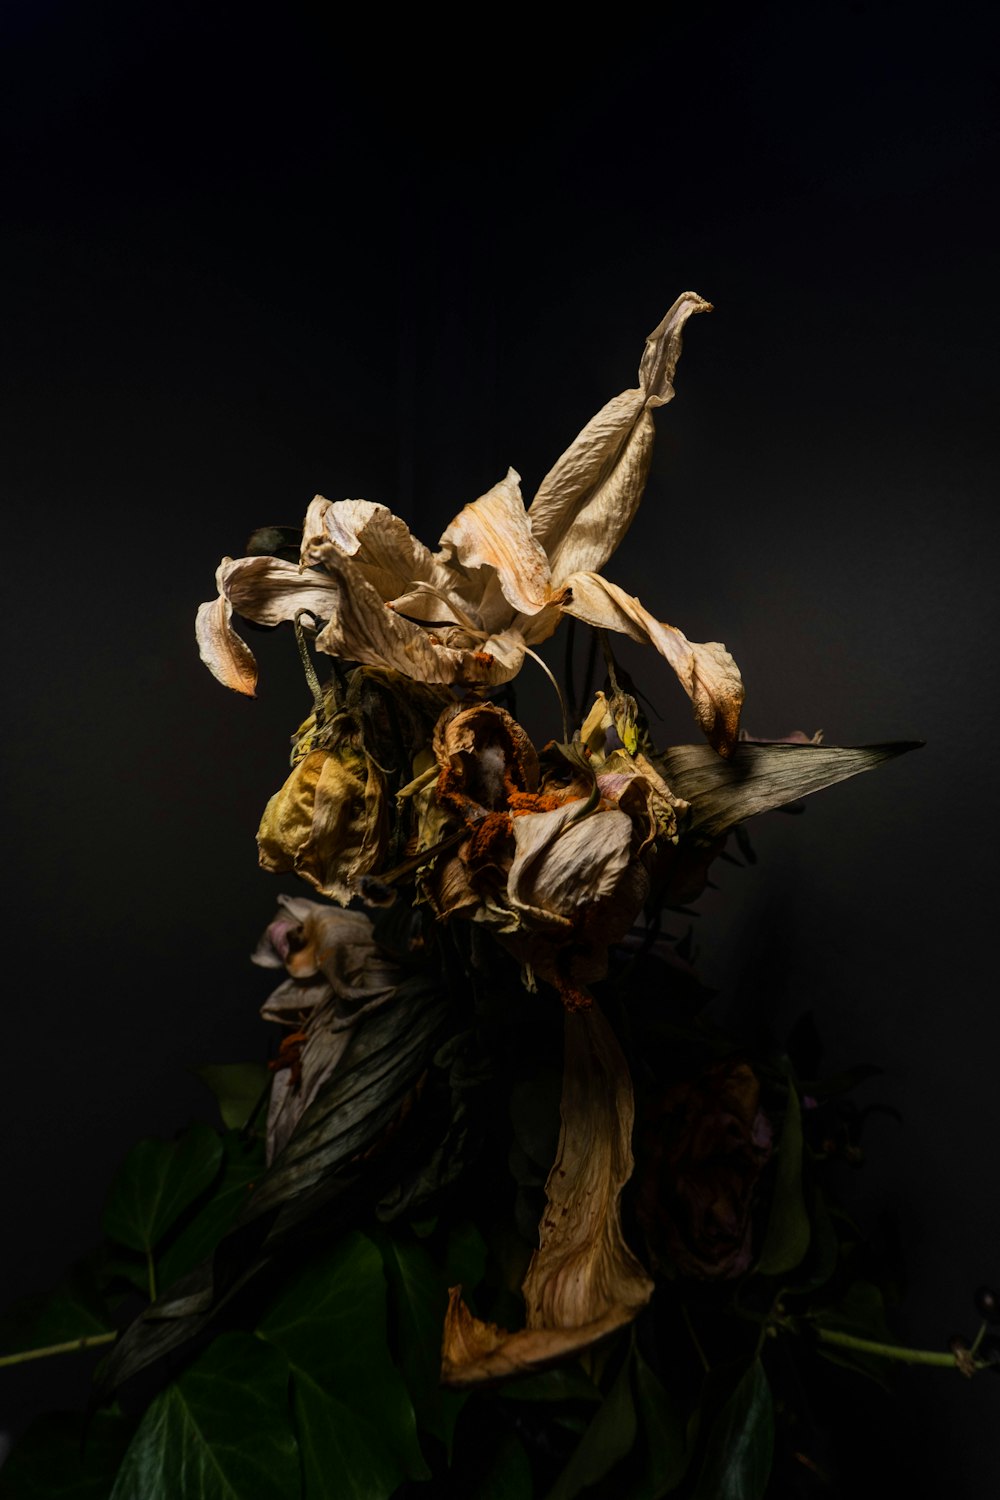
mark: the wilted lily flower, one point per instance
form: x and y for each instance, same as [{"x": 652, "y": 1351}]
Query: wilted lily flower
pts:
[{"x": 502, "y": 577}]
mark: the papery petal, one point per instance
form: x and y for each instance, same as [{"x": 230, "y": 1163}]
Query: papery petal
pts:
[
  {"x": 226, "y": 654},
  {"x": 361, "y": 628},
  {"x": 270, "y": 591},
  {"x": 705, "y": 670},
  {"x": 583, "y": 1281},
  {"x": 563, "y": 861},
  {"x": 494, "y": 531},
  {"x": 379, "y": 545},
  {"x": 586, "y": 502}
]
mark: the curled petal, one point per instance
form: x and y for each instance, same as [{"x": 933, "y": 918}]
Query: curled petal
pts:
[
  {"x": 226, "y": 654},
  {"x": 587, "y": 501},
  {"x": 563, "y": 861},
  {"x": 583, "y": 1281},
  {"x": 706, "y": 671},
  {"x": 494, "y": 532}
]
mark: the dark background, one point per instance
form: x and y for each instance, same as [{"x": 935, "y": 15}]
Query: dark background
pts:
[{"x": 248, "y": 260}]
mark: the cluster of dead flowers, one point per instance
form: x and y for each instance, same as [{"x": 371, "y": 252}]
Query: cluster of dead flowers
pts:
[{"x": 410, "y": 785}]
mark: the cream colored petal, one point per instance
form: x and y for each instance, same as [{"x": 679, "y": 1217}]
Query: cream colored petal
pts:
[
  {"x": 494, "y": 532},
  {"x": 563, "y": 861},
  {"x": 586, "y": 502},
  {"x": 226, "y": 654},
  {"x": 271, "y": 591},
  {"x": 378, "y": 544},
  {"x": 583, "y": 1280},
  {"x": 706, "y": 670},
  {"x": 362, "y": 628}
]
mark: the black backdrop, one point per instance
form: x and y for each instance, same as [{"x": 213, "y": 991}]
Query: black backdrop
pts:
[{"x": 248, "y": 260}]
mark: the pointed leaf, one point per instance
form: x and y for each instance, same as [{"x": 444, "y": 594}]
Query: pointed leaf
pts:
[
  {"x": 156, "y": 1183},
  {"x": 741, "y": 1443},
  {"x": 242, "y": 1165},
  {"x": 237, "y": 1088},
  {"x": 509, "y": 1476},
  {"x": 663, "y": 1434},
  {"x": 788, "y": 1231},
  {"x": 606, "y": 1441},
  {"x": 420, "y": 1296},
  {"x": 760, "y": 777},
  {"x": 219, "y": 1432},
  {"x": 343, "y": 1455}
]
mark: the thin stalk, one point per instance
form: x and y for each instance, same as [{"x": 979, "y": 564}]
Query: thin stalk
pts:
[
  {"x": 307, "y": 666},
  {"x": 897, "y": 1352},
  {"x": 562, "y": 702},
  {"x": 568, "y": 672},
  {"x": 90, "y": 1341},
  {"x": 151, "y": 1275}
]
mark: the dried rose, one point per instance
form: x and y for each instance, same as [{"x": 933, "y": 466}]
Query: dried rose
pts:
[{"x": 705, "y": 1142}]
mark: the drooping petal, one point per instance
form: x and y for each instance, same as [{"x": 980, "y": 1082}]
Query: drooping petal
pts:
[
  {"x": 705, "y": 670},
  {"x": 264, "y": 589},
  {"x": 586, "y": 502},
  {"x": 361, "y": 628},
  {"x": 563, "y": 861},
  {"x": 583, "y": 1281},
  {"x": 494, "y": 532}
]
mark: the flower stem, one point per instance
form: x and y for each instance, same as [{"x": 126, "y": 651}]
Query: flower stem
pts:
[
  {"x": 90, "y": 1341},
  {"x": 151, "y": 1274},
  {"x": 897, "y": 1352}
]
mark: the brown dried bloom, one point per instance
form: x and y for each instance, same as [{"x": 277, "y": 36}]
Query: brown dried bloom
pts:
[{"x": 705, "y": 1142}]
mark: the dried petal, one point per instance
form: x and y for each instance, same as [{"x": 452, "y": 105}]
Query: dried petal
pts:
[
  {"x": 494, "y": 531},
  {"x": 587, "y": 501},
  {"x": 583, "y": 1281},
  {"x": 263, "y": 589},
  {"x": 706, "y": 671}
]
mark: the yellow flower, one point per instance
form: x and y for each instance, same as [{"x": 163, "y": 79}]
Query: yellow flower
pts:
[{"x": 503, "y": 575}]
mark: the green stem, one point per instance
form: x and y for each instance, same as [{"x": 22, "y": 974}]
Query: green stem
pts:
[
  {"x": 151, "y": 1274},
  {"x": 90, "y": 1341},
  {"x": 887, "y": 1351}
]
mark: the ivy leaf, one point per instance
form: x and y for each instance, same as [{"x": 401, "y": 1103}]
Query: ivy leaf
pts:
[
  {"x": 420, "y": 1296},
  {"x": 238, "y": 1089},
  {"x": 663, "y": 1435},
  {"x": 66, "y": 1456},
  {"x": 330, "y": 1324},
  {"x": 606, "y": 1441},
  {"x": 219, "y": 1432},
  {"x": 788, "y": 1231},
  {"x": 564, "y": 1383},
  {"x": 741, "y": 1443},
  {"x": 242, "y": 1165},
  {"x": 342, "y": 1456},
  {"x": 156, "y": 1183}
]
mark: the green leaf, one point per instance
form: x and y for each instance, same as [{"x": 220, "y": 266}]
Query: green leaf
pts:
[
  {"x": 757, "y": 778},
  {"x": 242, "y": 1165},
  {"x": 156, "y": 1183},
  {"x": 419, "y": 1297},
  {"x": 344, "y": 1457},
  {"x": 75, "y": 1309},
  {"x": 741, "y": 1443},
  {"x": 330, "y": 1324},
  {"x": 788, "y": 1231},
  {"x": 465, "y": 1262},
  {"x": 219, "y": 1432},
  {"x": 564, "y": 1383},
  {"x": 238, "y": 1089},
  {"x": 860, "y": 1311},
  {"x": 663, "y": 1435},
  {"x": 606, "y": 1441},
  {"x": 66, "y": 1456},
  {"x": 509, "y": 1474}
]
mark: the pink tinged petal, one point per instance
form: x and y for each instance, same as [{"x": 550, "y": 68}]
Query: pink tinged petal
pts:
[
  {"x": 705, "y": 670},
  {"x": 494, "y": 532},
  {"x": 587, "y": 501}
]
